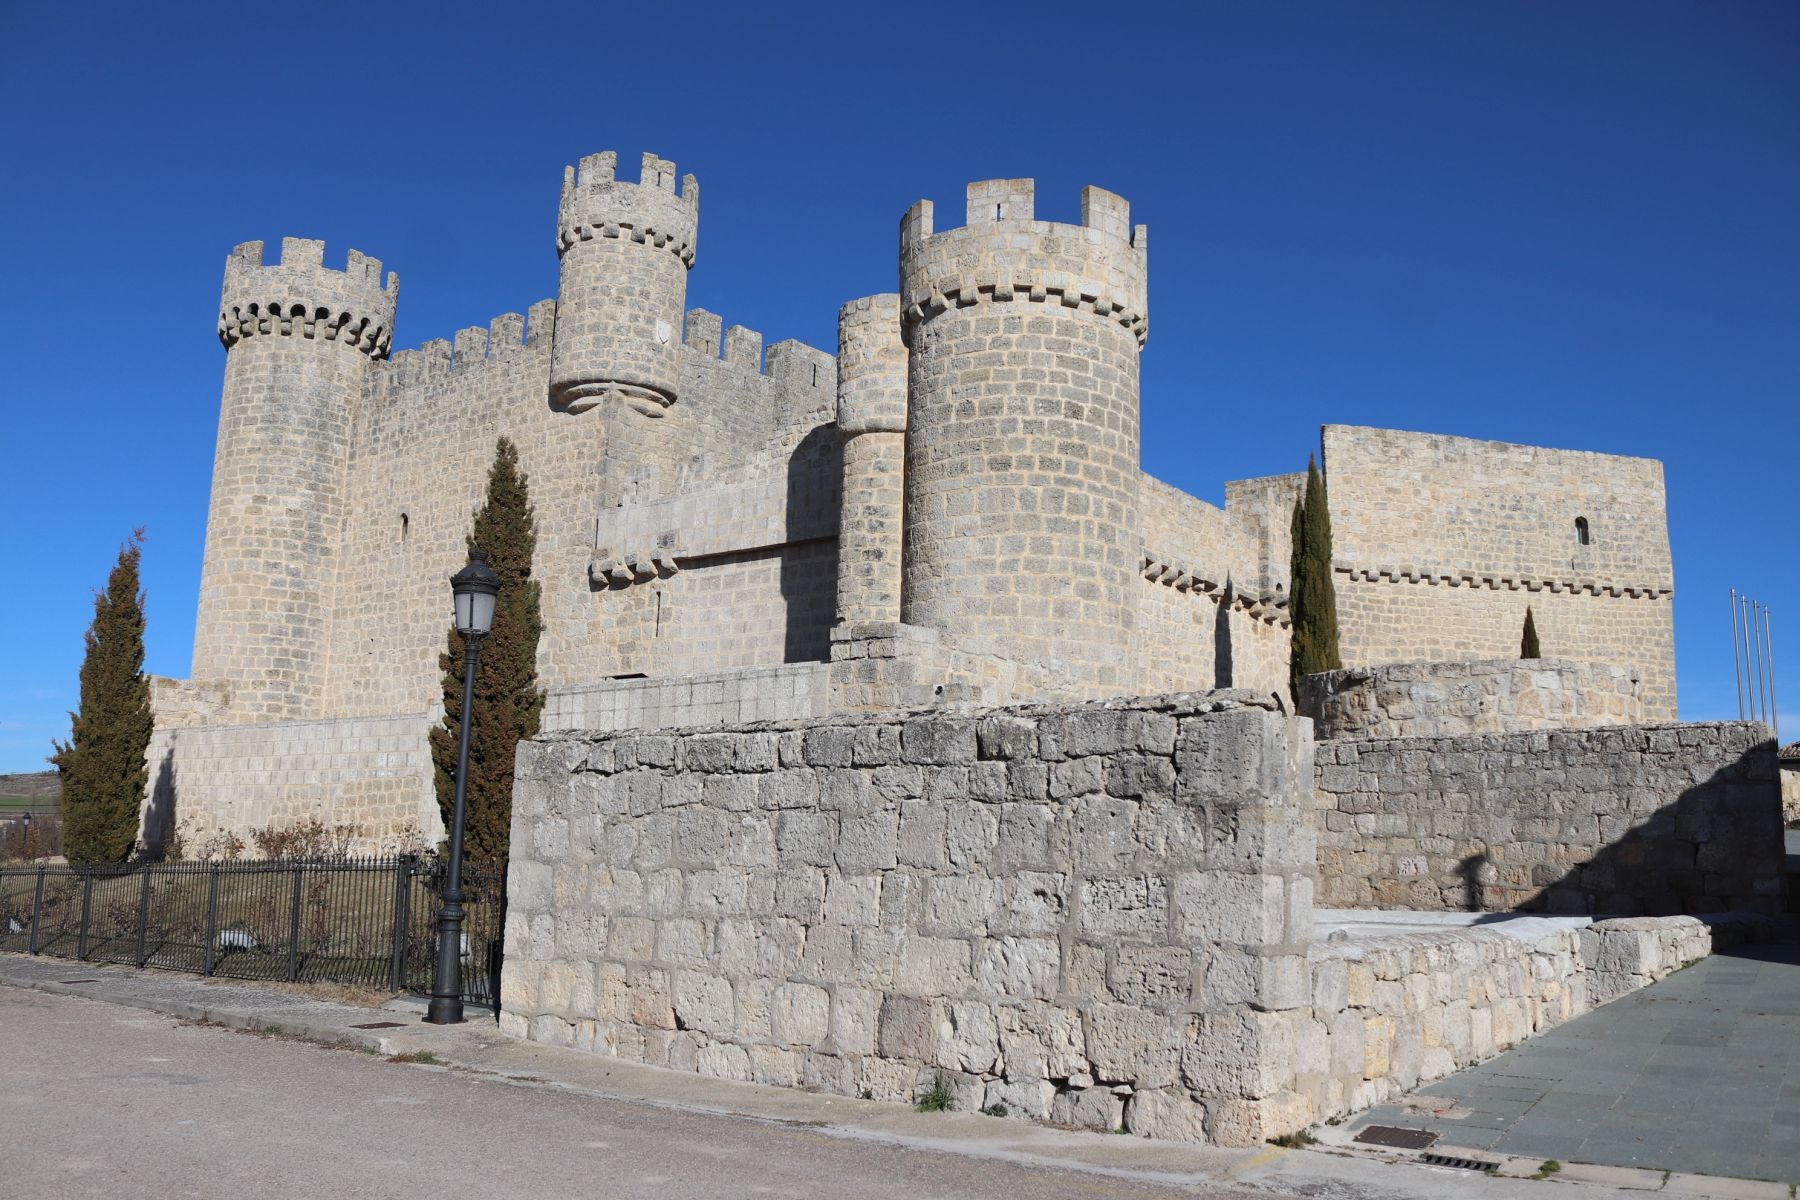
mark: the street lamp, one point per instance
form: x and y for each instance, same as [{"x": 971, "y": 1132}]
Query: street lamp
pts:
[{"x": 475, "y": 588}]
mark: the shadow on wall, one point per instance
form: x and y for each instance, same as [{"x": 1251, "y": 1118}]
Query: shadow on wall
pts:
[
  {"x": 1478, "y": 875},
  {"x": 1222, "y": 661},
  {"x": 1717, "y": 848},
  {"x": 815, "y": 480},
  {"x": 159, "y": 810}
]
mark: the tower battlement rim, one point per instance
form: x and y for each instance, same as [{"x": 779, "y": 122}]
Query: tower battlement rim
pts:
[
  {"x": 298, "y": 296},
  {"x": 596, "y": 203},
  {"x": 1003, "y": 253}
]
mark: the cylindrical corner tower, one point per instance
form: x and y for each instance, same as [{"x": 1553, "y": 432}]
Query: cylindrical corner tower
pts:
[
  {"x": 300, "y": 340},
  {"x": 871, "y": 407},
  {"x": 625, "y": 250},
  {"x": 1022, "y": 429}
]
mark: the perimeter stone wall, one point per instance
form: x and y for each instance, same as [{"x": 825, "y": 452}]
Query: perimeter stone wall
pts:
[
  {"x": 1433, "y": 699},
  {"x": 1092, "y": 914},
  {"x": 371, "y": 774},
  {"x": 1653, "y": 819},
  {"x": 1392, "y": 1013}
]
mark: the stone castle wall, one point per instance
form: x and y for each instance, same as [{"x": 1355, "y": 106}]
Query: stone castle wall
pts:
[
  {"x": 1623, "y": 820},
  {"x": 1440, "y": 543},
  {"x": 1059, "y": 910},
  {"x": 950, "y": 512},
  {"x": 1440, "y": 699}
]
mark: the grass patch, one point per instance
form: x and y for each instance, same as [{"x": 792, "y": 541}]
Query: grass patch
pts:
[
  {"x": 425, "y": 1057},
  {"x": 939, "y": 1099},
  {"x": 1548, "y": 1168},
  {"x": 1294, "y": 1141}
]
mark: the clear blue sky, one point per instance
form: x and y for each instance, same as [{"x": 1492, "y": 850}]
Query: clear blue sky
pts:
[{"x": 1569, "y": 224}]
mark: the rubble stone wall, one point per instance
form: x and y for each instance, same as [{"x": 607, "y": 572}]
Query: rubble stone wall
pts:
[
  {"x": 1086, "y": 913},
  {"x": 1504, "y": 695},
  {"x": 1627, "y": 820}
]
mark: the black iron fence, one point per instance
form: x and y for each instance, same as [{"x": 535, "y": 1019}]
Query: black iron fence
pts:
[{"x": 365, "y": 922}]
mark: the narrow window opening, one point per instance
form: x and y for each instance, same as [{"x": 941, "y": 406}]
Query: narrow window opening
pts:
[
  {"x": 405, "y": 526},
  {"x": 996, "y": 212},
  {"x": 1582, "y": 536},
  {"x": 658, "y": 628},
  {"x": 815, "y": 375}
]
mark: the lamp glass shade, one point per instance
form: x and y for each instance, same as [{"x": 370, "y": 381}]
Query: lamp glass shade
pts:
[
  {"x": 474, "y": 611},
  {"x": 475, "y": 588}
]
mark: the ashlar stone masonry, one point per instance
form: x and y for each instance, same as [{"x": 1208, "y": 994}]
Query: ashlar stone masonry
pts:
[{"x": 1088, "y": 915}]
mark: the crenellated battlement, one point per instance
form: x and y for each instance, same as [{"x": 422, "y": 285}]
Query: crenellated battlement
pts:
[
  {"x": 301, "y": 297},
  {"x": 501, "y": 340},
  {"x": 595, "y": 203},
  {"x": 1003, "y": 253}
]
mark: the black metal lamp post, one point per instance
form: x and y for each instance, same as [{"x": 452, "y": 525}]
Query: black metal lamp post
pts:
[{"x": 475, "y": 588}]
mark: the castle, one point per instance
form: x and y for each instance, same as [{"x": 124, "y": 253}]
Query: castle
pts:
[{"x": 949, "y": 511}]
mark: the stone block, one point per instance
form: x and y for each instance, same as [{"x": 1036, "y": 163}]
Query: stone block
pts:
[
  {"x": 909, "y": 1027},
  {"x": 1167, "y": 1114},
  {"x": 1089, "y": 1108},
  {"x": 1132, "y": 1045},
  {"x": 938, "y": 741}
]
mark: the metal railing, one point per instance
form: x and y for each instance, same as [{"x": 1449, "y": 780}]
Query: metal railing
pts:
[{"x": 363, "y": 922}]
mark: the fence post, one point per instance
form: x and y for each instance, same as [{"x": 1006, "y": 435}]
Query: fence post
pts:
[
  {"x": 403, "y": 872},
  {"x": 212, "y": 919},
  {"x": 293, "y": 972},
  {"x": 87, "y": 901},
  {"x": 37, "y": 909},
  {"x": 143, "y": 916}
]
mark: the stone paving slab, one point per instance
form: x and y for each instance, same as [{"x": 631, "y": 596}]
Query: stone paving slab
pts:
[{"x": 1698, "y": 1074}]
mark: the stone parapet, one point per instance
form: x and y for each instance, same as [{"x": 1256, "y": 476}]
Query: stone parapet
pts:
[
  {"x": 1090, "y": 914},
  {"x": 1447, "y": 699},
  {"x": 790, "y": 692},
  {"x": 1392, "y": 1013}
]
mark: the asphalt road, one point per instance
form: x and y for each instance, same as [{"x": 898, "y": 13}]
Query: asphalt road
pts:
[{"x": 99, "y": 1101}]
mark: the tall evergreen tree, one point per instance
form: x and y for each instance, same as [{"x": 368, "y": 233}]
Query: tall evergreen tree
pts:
[
  {"x": 1528, "y": 644},
  {"x": 507, "y": 699},
  {"x": 102, "y": 764},
  {"x": 1312, "y": 598}
]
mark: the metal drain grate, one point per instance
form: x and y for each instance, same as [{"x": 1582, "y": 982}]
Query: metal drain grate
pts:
[
  {"x": 1462, "y": 1162},
  {"x": 1399, "y": 1137},
  {"x": 380, "y": 1025}
]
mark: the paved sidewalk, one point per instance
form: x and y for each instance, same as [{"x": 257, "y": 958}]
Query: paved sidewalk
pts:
[
  {"x": 1697, "y": 1073},
  {"x": 477, "y": 1052}
]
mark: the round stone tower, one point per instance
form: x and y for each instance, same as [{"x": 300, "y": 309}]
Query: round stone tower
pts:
[
  {"x": 301, "y": 340},
  {"x": 1020, "y": 534},
  {"x": 625, "y": 250},
  {"x": 871, "y": 417}
]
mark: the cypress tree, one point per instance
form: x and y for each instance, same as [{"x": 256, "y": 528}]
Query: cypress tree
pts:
[
  {"x": 1312, "y": 598},
  {"x": 102, "y": 764},
  {"x": 1528, "y": 644},
  {"x": 507, "y": 700}
]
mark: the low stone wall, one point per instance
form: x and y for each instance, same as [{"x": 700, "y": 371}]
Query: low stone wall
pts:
[
  {"x": 373, "y": 774},
  {"x": 784, "y": 693},
  {"x": 1653, "y": 819},
  {"x": 1092, "y": 914},
  {"x": 1446, "y": 699},
  {"x": 1392, "y": 1013}
]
